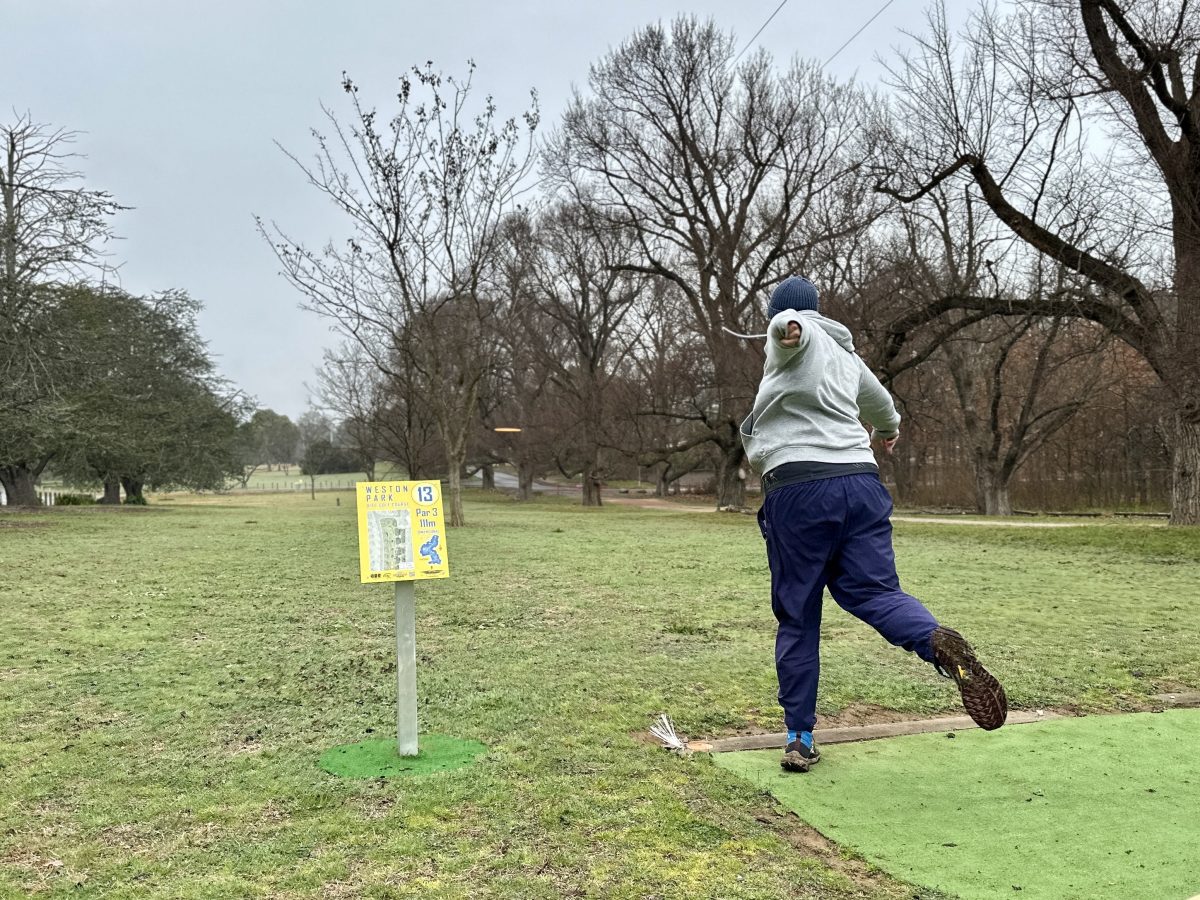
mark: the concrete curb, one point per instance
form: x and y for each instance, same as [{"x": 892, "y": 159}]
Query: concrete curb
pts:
[{"x": 850, "y": 733}]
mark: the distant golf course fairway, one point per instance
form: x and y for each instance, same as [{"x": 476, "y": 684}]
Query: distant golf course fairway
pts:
[{"x": 1102, "y": 806}]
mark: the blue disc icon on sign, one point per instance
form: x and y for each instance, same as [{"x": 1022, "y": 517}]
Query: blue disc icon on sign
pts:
[{"x": 429, "y": 551}]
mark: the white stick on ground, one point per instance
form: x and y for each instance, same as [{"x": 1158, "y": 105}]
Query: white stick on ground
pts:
[{"x": 665, "y": 732}]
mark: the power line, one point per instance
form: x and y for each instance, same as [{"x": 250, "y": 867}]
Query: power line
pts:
[
  {"x": 760, "y": 30},
  {"x": 857, "y": 33},
  {"x": 836, "y": 52}
]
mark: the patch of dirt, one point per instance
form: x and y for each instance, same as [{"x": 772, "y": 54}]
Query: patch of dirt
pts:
[
  {"x": 17, "y": 520},
  {"x": 247, "y": 750},
  {"x": 867, "y": 714},
  {"x": 339, "y": 890},
  {"x": 1170, "y": 686},
  {"x": 273, "y": 812},
  {"x": 91, "y": 712},
  {"x": 203, "y": 835},
  {"x": 242, "y": 741},
  {"x": 376, "y": 807},
  {"x": 867, "y": 878},
  {"x": 656, "y": 503},
  {"x": 130, "y": 837},
  {"x": 45, "y": 871},
  {"x": 995, "y": 523},
  {"x": 1182, "y": 699},
  {"x": 645, "y": 737}
]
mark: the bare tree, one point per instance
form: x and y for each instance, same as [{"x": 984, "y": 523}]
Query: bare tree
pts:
[
  {"x": 660, "y": 414},
  {"x": 586, "y": 294},
  {"x": 524, "y": 380},
  {"x": 1008, "y": 376},
  {"x": 316, "y": 445},
  {"x": 1011, "y": 116},
  {"x": 250, "y": 455},
  {"x": 424, "y": 193},
  {"x": 731, "y": 175},
  {"x": 1112, "y": 454},
  {"x": 1016, "y": 386},
  {"x": 350, "y": 386},
  {"x": 51, "y": 230}
]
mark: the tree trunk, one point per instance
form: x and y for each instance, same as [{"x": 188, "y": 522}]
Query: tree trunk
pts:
[
  {"x": 133, "y": 490},
  {"x": 524, "y": 481},
  {"x": 112, "y": 491},
  {"x": 591, "y": 487},
  {"x": 18, "y": 481},
  {"x": 411, "y": 468},
  {"x": 456, "y": 519},
  {"x": 488, "y": 474},
  {"x": 899, "y": 466},
  {"x": 661, "y": 485},
  {"x": 454, "y": 440},
  {"x": 731, "y": 480},
  {"x": 991, "y": 490},
  {"x": 591, "y": 478},
  {"x": 1185, "y": 472}
]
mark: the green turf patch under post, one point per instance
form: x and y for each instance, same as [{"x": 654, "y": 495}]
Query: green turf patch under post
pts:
[
  {"x": 379, "y": 759},
  {"x": 1095, "y": 807}
]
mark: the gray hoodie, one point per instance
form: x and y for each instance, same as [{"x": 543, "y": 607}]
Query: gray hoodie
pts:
[{"x": 812, "y": 397}]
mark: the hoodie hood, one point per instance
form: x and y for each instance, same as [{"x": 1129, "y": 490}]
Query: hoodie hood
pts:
[{"x": 834, "y": 329}]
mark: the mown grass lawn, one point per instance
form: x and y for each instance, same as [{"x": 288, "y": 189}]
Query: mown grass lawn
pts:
[{"x": 169, "y": 676}]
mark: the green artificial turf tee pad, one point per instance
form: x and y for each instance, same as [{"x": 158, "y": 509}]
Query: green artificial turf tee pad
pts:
[
  {"x": 379, "y": 759},
  {"x": 1093, "y": 807}
]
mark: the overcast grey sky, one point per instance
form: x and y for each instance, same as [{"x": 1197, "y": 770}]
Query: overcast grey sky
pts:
[{"x": 182, "y": 103}]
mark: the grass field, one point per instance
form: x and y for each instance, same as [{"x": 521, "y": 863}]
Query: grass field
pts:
[{"x": 169, "y": 676}]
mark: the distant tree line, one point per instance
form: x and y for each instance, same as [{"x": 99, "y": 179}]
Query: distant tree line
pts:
[
  {"x": 1019, "y": 282},
  {"x": 105, "y": 387},
  {"x": 1009, "y": 230},
  {"x": 315, "y": 443}
]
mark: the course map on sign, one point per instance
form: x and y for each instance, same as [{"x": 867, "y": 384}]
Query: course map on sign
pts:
[{"x": 401, "y": 531}]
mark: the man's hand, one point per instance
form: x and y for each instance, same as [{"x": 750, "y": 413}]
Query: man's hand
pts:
[
  {"x": 890, "y": 444},
  {"x": 792, "y": 339}
]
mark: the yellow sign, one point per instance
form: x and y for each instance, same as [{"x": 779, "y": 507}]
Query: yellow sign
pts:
[{"x": 401, "y": 532}]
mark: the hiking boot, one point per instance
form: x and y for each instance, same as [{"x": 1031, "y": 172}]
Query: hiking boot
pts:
[
  {"x": 799, "y": 757},
  {"x": 982, "y": 695}
]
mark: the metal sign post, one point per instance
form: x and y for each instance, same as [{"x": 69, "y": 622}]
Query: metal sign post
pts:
[
  {"x": 402, "y": 538},
  {"x": 406, "y": 669}
]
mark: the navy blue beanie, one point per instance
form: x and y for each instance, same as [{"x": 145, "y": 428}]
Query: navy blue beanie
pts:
[{"x": 793, "y": 292}]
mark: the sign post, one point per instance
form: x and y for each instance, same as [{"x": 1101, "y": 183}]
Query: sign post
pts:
[
  {"x": 402, "y": 538},
  {"x": 406, "y": 669}
]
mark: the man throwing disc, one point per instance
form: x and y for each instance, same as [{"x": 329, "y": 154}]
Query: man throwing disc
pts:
[{"x": 826, "y": 515}]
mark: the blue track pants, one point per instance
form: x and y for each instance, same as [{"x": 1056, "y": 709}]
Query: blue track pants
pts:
[{"x": 833, "y": 533}]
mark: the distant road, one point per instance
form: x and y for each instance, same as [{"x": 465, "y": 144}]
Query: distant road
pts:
[{"x": 508, "y": 482}]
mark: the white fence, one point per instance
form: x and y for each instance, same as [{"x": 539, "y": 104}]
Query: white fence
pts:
[
  {"x": 297, "y": 486},
  {"x": 46, "y": 496}
]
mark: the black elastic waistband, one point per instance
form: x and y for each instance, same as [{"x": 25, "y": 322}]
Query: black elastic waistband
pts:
[{"x": 800, "y": 472}]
